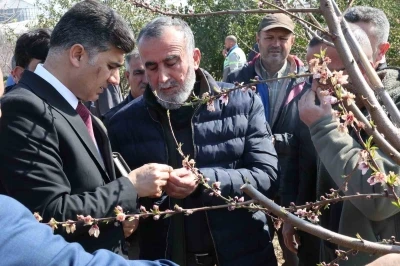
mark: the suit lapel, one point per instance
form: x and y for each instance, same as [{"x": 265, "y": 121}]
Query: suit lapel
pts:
[
  {"x": 51, "y": 96},
  {"x": 104, "y": 146}
]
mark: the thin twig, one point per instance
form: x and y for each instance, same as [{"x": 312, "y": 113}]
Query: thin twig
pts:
[
  {"x": 237, "y": 87},
  {"x": 342, "y": 198},
  {"x": 167, "y": 212},
  {"x": 341, "y": 256},
  {"x": 224, "y": 12},
  {"x": 296, "y": 17}
]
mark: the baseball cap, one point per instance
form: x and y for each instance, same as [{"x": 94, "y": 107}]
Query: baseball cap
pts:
[{"x": 276, "y": 20}]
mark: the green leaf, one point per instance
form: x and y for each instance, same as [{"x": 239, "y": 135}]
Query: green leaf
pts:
[
  {"x": 168, "y": 215},
  {"x": 396, "y": 204}
]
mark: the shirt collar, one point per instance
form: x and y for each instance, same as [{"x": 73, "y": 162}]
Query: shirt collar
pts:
[
  {"x": 64, "y": 91},
  {"x": 278, "y": 74}
]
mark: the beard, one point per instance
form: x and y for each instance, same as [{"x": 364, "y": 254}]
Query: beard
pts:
[{"x": 181, "y": 94}]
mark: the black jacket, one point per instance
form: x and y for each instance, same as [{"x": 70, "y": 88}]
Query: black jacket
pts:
[{"x": 231, "y": 145}]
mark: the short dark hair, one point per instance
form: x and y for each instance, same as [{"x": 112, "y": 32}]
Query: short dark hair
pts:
[
  {"x": 95, "y": 26},
  {"x": 33, "y": 44}
]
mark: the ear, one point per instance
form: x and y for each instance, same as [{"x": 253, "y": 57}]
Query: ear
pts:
[
  {"x": 76, "y": 53},
  {"x": 196, "y": 58},
  {"x": 293, "y": 38},
  {"x": 17, "y": 73},
  {"x": 126, "y": 74},
  {"x": 257, "y": 37},
  {"x": 382, "y": 49}
]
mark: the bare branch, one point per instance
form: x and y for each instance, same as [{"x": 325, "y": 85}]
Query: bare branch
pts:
[
  {"x": 223, "y": 12},
  {"x": 318, "y": 231}
]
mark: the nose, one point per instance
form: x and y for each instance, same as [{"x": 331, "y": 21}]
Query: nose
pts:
[
  {"x": 114, "y": 78},
  {"x": 144, "y": 79},
  {"x": 162, "y": 75},
  {"x": 275, "y": 43}
]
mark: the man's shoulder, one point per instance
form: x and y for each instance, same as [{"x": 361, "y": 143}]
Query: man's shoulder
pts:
[
  {"x": 244, "y": 74},
  {"x": 20, "y": 95},
  {"x": 129, "y": 111}
]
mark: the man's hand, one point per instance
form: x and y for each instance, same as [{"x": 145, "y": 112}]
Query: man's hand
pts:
[
  {"x": 150, "y": 179},
  {"x": 129, "y": 227},
  {"x": 181, "y": 183},
  {"x": 310, "y": 112},
  {"x": 290, "y": 237},
  {"x": 387, "y": 260}
]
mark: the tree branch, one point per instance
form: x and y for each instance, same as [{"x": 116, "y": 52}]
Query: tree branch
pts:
[
  {"x": 318, "y": 231},
  {"x": 223, "y": 12}
]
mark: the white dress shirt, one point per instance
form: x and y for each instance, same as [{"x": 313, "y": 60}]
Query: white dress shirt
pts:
[{"x": 64, "y": 91}]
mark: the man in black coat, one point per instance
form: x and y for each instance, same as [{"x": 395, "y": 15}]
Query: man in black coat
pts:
[
  {"x": 228, "y": 138},
  {"x": 55, "y": 157}
]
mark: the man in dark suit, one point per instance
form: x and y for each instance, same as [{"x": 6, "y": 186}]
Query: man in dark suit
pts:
[
  {"x": 55, "y": 157},
  {"x": 37, "y": 245},
  {"x": 137, "y": 82}
]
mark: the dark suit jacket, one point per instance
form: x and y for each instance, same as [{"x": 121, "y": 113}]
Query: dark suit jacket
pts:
[
  {"x": 50, "y": 164},
  {"x": 24, "y": 241}
]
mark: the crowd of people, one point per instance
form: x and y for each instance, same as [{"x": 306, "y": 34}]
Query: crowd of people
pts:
[{"x": 64, "y": 121}]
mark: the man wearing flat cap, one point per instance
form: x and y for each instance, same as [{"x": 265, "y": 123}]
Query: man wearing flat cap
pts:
[{"x": 296, "y": 153}]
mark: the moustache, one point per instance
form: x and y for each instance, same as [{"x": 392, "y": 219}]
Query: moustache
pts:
[
  {"x": 168, "y": 84},
  {"x": 274, "y": 51}
]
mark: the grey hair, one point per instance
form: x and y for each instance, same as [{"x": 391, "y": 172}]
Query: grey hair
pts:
[
  {"x": 231, "y": 38},
  {"x": 155, "y": 28},
  {"x": 362, "y": 38},
  {"x": 370, "y": 15},
  {"x": 128, "y": 57}
]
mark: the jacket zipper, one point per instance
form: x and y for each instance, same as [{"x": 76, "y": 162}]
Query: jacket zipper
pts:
[
  {"x": 194, "y": 157},
  {"x": 169, "y": 201}
]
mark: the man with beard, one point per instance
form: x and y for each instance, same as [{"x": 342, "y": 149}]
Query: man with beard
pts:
[
  {"x": 134, "y": 73},
  {"x": 229, "y": 140},
  {"x": 297, "y": 159}
]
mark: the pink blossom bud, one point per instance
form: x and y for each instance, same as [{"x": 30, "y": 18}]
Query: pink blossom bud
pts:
[
  {"x": 88, "y": 220},
  {"x": 216, "y": 185},
  {"x": 155, "y": 208},
  {"x": 80, "y": 217},
  {"x": 241, "y": 199},
  {"x": 94, "y": 231},
  {"x": 53, "y": 224},
  {"x": 70, "y": 226},
  {"x": 178, "y": 208},
  {"x": 118, "y": 209},
  {"x": 121, "y": 217},
  {"x": 143, "y": 209},
  {"x": 37, "y": 217},
  {"x": 156, "y": 217}
]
